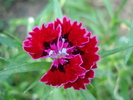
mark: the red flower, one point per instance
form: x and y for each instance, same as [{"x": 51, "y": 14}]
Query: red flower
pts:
[{"x": 72, "y": 49}]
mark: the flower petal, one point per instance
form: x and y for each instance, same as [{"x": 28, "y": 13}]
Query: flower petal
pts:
[
  {"x": 77, "y": 35},
  {"x": 80, "y": 82},
  {"x": 89, "y": 60},
  {"x": 65, "y": 24},
  {"x": 64, "y": 74},
  {"x": 89, "y": 56},
  {"x": 34, "y": 48},
  {"x": 90, "y": 47}
]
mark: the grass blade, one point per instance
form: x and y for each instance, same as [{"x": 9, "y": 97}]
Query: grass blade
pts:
[
  {"x": 124, "y": 92},
  {"x": 9, "y": 42},
  {"x": 129, "y": 51},
  {"x": 32, "y": 85},
  {"x": 25, "y": 68},
  {"x": 115, "y": 18},
  {"x": 3, "y": 77},
  {"x": 57, "y": 10},
  {"x": 86, "y": 95},
  {"x": 5, "y": 59},
  {"x": 47, "y": 92},
  {"x": 121, "y": 7},
  {"x": 110, "y": 52},
  {"x": 57, "y": 94},
  {"x": 71, "y": 94},
  {"x": 45, "y": 15},
  {"x": 108, "y": 6}
]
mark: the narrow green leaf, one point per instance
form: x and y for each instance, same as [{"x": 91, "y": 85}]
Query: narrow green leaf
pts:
[
  {"x": 57, "y": 10},
  {"x": 5, "y": 59},
  {"x": 86, "y": 95},
  {"x": 79, "y": 5},
  {"x": 124, "y": 91},
  {"x": 57, "y": 94},
  {"x": 115, "y": 18},
  {"x": 3, "y": 77},
  {"x": 120, "y": 8},
  {"x": 48, "y": 90},
  {"x": 45, "y": 14},
  {"x": 129, "y": 51},
  {"x": 101, "y": 20},
  {"x": 25, "y": 68},
  {"x": 32, "y": 85},
  {"x": 110, "y": 52},
  {"x": 9, "y": 42},
  {"x": 108, "y": 6},
  {"x": 71, "y": 94}
]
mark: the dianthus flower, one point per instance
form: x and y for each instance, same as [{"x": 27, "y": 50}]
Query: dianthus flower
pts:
[{"x": 72, "y": 49}]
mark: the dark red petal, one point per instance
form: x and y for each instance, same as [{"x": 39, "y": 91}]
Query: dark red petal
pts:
[
  {"x": 37, "y": 34},
  {"x": 40, "y": 35},
  {"x": 33, "y": 47},
  {"x": 36, "y": 29},
  {"x": 57, "y": 22},
  {"x": 77, "y": 85},
  {"x": 37, "y": 55},
  {"x": 50, "y": 32},
  {"x": 90, "y": 74},
  {"x": 89, "y": 60},
  {"x": 90, "y": 47},
  {"x": 46, "y": 34},
  {"x": 80, "y": 82},
  {"x": 89, "y": 55},
  {"x": 69, "y": 74},
  {"x": 77, "y": 35},
  {"x": 95, "y": 66},
  {"x": 65, "y": 25},
  {"x": 26, "y": 43}
]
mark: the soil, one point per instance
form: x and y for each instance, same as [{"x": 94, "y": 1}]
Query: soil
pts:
[
  {"x": 27, "y": 8},
  {"x": 20, "y": 9}
]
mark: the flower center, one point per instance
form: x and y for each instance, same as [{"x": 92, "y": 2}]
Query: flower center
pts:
[{"x": 58, "y": 54}]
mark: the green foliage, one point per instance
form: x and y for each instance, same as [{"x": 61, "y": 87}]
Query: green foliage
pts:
[
  {"x": 109, "y": 8},
  {"x": 110, "y": 52},
  {"x": 129, "y": 51},
  {"x": 71, "y": 94},
  {"x": 9, "y": 42},
  {"x": 86, "y": 95},
  {"x": 25, "y": 68},
  {"x": 19, "y": 74},
  {"x": 57, "y": 10}
]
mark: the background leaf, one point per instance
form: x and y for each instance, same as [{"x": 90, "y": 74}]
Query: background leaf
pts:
[
  {"x": 9, "y": 42},
  {"x": 47, "y": 92},
  {"x": 129, "y": 51},
  {"x": 57, "y": 10},
  {"x": 120, "y": 8},
  {"x": 86, "y": 95},
  {"x": 71, "y": 94},
  {"x": 58, "y": 92},
  {"x": 108, "y": 6},
  {"x": 124, "y": 92},
  {"x": 26, "y": 68},
  {"x": 3, "y": 77},
  {"x": 110, "y": 52}
]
